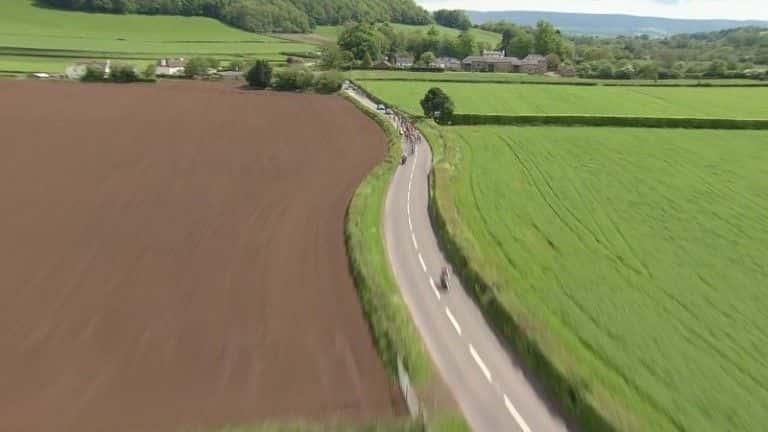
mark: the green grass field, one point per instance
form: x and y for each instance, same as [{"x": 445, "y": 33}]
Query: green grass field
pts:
[
  {"x": 726, "y": 102},
  {"x": 39, "y": 34},
  {"x": 636, "y": 258}
]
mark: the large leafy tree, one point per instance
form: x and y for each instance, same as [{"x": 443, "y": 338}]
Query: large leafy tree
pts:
[
  {"x": 438, "y": 105},
  {"x": 465, "y": 44},
  {"x": 547, "y": 39},
  {"x": 361, "y": 39},
  {"x": 259, "y": 75},
  {"x": 517, "y": 42}
]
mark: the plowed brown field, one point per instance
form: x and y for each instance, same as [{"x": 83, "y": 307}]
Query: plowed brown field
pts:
[{"x": 172, "y": 255}]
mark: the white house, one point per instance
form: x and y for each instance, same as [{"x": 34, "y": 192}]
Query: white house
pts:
[
  {"x": 170, "y": 66},
  {"x": 404, "y": 61},
  {"x": 447, "y": 63}
]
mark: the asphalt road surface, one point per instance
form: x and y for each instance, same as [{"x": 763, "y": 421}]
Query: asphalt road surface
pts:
[{"x": 487, "y": 381}]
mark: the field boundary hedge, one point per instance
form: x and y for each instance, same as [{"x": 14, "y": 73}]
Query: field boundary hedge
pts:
[
  {"x": 570, "y": 83},
  {"x": 609, "y": 120},
  {"x": 573, "y": 399},
  {"x": 387, "y": 313}
]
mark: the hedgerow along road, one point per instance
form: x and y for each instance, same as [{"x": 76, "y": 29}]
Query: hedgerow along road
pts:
[{"x": 494, "y": 392}]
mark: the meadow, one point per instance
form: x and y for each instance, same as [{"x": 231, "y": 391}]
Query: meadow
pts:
[
  {"x": 489, "y": 98},
  {"x": 635, "y": 258},
  {"x": 36, "y": 39}
]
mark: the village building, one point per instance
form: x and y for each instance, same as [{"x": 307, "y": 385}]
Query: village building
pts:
[
  {"x": 490, "y": 64},
  {"x": 533, "y": 64},
  {"x": 404, "y": 61},
  {"x": 170, "y": 66},
  {"x": 447, "y": 63}
]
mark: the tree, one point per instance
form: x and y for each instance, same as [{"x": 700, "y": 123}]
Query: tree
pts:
[
  {"x": 198, "y": 66},
  {"x": 123, "y": 73},
  {"x": 605, "y": 71},
  {"x": 553, "y": 62},
  {"x": 361, "y": 39},
  {"x": 259, "y": 75},
  {"x": 236, "y": 65},
  {"x": 436, "y": 104},
  {"x": 717, "y": 68},
  {"x": 149, "y": 71},
  {"x": 457, "y": 19},
  {"x": 93, "y": 73},
  {"x": 332, "y": 57},
  {"x": 328, "y": 82},
  {"x": 465, "y": 44},
  {"x": 520, "y": 44},
  {"x": 367, "y": 61},
  {"x": 625, "y": 72},
  {"x": 427, "y": 58},
  {"x": 648, "y": 71},
  {"x": 547, "y": 39}
]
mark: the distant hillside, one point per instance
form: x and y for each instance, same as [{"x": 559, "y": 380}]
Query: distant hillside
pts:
[
  {"x": 611, "y": 25},
  {"x": 263, "y": 16}
]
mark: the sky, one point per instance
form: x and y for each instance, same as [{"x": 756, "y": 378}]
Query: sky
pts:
[{"x": 727, "y": 9}]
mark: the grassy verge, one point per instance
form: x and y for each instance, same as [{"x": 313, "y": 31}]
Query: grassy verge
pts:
[
  {"x": 574, "y": 400},
  {"x": 393, "y": 330}
]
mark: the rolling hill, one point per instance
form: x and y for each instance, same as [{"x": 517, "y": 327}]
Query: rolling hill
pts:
[{"x": 611, "y": 25}]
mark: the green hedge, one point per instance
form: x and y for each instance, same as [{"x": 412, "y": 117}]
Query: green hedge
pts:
[
  {"x": 603, "y": 120},
  {"x": 571, "y": 396},
  {"x": 389, "y": 317}
]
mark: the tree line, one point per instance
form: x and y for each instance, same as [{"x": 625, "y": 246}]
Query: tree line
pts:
[
  {"x": 362, "y": 44},
  {"x": 263, "y": 16},
  {"x": 735, "y": 53}
]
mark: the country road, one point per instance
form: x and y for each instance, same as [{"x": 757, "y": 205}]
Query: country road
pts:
[{"x": 489, "y": 384}]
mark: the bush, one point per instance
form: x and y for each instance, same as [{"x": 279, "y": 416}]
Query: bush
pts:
[
  {"x": 259, "y": 75},
  {"x": 294, "y": 79},
  {"x": 123, "y": 73},
  {"x": 437, "y": 104},
  {"x": 93, "y": 73},
  {"x": 198, "y": 66},
  {"x": 149, "y": 72},
  {"x": 328, "y": 82}
]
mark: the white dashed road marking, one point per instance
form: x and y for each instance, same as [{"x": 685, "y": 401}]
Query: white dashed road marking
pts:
[
  {"x": 480, "y": 363},
  {"x": 453, "y": 321},
  {"x": 413, "y": 239},
  {"x": 516, "y": 415},
  {"x": 434, "y": 288},
  {"x": 423, "y": 266}
]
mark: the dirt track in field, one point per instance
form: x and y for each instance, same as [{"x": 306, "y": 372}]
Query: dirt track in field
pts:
[{"x": 172, "y": 255}]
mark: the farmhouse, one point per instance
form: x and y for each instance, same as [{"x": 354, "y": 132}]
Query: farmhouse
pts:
[
  {"x": 404, "y": 61},
  {"x": 534, "y": 64},
  {"x": 493, "y": 63},
  {"x": 447, "y": 63},
  {"x": 170, "y": 66},
  {"x": 77, "y": 70}
]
